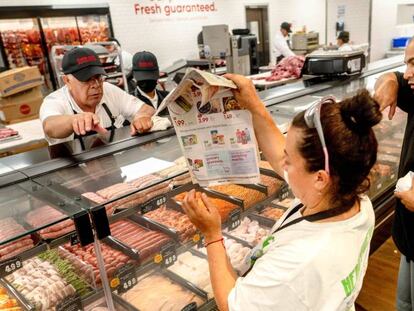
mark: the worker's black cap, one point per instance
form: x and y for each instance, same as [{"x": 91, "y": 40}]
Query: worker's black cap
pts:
[
  {"x": 344, "y": 36},
  {"x": 145, "y": 66},
  {"x": 82, "y": 63},
  {"x": 286, "y": 26}
]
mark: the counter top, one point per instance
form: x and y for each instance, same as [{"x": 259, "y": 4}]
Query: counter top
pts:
[{"x": 31, "y": 132}]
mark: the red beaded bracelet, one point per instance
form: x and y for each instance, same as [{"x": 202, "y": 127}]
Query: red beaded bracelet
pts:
[{"x": 212, "y": 242}]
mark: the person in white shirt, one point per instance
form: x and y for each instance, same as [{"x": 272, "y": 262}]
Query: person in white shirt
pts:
[
  {"x": 87, "y": 104},
  {"x": 281, "y": 47},
  {"x": 316, "y": 255},
  {"x": 343, "y": 42},
  {"x": 146, "y": 74}
]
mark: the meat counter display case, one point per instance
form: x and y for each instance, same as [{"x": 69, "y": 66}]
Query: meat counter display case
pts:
[{"x": 152, "y": 256}]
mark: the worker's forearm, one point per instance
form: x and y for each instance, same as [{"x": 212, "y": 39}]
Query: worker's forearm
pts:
[
  {"x": 58, "y": 126},
  {"x": 271, "y": 141},
  {"x": 145, "y": 110},
  {"x": 223, "y": 278}
]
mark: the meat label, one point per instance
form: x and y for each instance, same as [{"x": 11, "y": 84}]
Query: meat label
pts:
[
  {"x": 234, "y": 219},
  {"x": 9, "y": 266},
  {"x": 153, "y": 204},
  {"x": 169, "y": 255},
  {"x": 190, "y": 307},
  {"x": 127, "y": 276}
]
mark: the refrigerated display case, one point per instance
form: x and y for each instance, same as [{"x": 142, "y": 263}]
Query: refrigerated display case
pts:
[
  {"x": 138, "y": 184},
  {"x": 28, "y": 33}
]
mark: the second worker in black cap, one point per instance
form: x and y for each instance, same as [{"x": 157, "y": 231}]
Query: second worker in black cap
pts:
[
  {"x": 281, "y": 44},
  {"x": 146, "y": 74},
  {"x": 87, "y": 104}
]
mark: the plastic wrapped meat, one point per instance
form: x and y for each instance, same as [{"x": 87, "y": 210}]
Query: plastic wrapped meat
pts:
[
  {"x": 272, "y": 184},
  {"x": 272, "y": 212},
  {"x": 235, "y": 251},
  {"x": 224, "y": 207},
  {"x": 8, "y": 303},
  {"x": 45, "y": 215},
  {"x": 147, "y": 242},
  {"x": 113, "y": 259},
  {"x": 193, "y": 269},
  {"x": 9, "y": 228},
  {"x": 179, "y": 167},
  {"x": 96, "y": 198},
  {"x": 7, "y": 132},
  {"x": 250, "y": 231},
  {"x": 181, "y": 180},
  {"x": 249, "y": 196},
  {"x": 175, "y": 220},
  {"x": 41, "y": 284},
  {"x": 168, "y": 296}
]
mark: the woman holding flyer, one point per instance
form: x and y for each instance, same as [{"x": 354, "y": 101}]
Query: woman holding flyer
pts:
[{"x": 316, "y": 255}]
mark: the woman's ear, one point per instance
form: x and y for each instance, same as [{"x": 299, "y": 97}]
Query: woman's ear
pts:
[{"x": 322, "y": 180}]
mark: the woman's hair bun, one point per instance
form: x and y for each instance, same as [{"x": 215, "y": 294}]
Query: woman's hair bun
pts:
[{"x": 360, "y": 112}]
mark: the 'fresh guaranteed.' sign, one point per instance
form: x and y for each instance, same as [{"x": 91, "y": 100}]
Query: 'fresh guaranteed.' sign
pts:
[{"x": 173, "y": 8}]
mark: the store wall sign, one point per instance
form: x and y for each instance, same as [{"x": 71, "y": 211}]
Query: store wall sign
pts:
[{"x": 173, "y": 8}]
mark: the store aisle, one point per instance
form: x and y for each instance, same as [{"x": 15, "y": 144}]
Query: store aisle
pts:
[{"x": 380, "y": 284}]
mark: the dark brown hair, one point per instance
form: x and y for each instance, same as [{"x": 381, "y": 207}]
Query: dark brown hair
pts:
[{"x": 351, "y": 144}]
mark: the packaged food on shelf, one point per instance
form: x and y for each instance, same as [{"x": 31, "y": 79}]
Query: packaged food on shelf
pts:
[
  {"x": 113, "y": 259},
  {"x": 249, "y": 196},
  {"x": 145, "y": 181},
  {"x": 67, "y": 271},
  {"x": 146, "y": 242},
  {"x": 273, "y": 184},
  {"x": 272, "y": 212},
  {"x": 179, "y": 167},
  {"x": 157, "y": 292},
  {"x": 224, "y": 207},
  {"x": 9, "y": 228},
  {"x": 45, "y": 215},
  {"x": 96, "y": 198},
  {"x": 82, "y": 269},
  {"x": 235, "y": 251},
  {"x": 175, "y": 220},
  {"x": 181, "y": 180},
  {"x": 250, "y": 231},
  {"x": 194, "y": 269},
  {"x": 41, "y": 284},
  {"x": 8, "y": 303}
]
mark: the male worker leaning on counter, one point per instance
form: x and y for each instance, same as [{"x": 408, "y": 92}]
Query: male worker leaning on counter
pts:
[{"x": 87, "y": 104}]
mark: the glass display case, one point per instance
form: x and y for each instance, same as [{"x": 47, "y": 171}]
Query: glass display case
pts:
[{"x": 136, "y": 249}]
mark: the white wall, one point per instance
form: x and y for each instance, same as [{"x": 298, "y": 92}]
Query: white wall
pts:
[
  {"x": 405, "y": 14},
  {"x": 384, "y": 21},
  {"x": 356, "y": 19},
  {"x": 171, "y": 38}
]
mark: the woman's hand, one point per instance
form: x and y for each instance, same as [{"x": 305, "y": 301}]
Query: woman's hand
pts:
[
  {"x": 246, "y": 94},
  {"x": 203, "y": 214}
]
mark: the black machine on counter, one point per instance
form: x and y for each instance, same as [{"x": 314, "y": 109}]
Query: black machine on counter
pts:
[{"x": 322, "y": 62}]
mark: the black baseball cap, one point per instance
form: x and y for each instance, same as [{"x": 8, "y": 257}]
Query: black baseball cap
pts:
[
  {"x": 145, "y": 66},
  {"x": 82, "y": 63},
  {"x": 344, "y": 36},
  {"x": 286, "y": 26}
]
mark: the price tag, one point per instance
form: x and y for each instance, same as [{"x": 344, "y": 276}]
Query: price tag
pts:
[
  {"x": 9, "y": 266},
  {"x": 199, "y": 240},
  {"x": 153, "y": 204},
  {"x": 169, "y": 255},
  {"x": 234, "y": 218},
  {"x": 71, "y": 303},
  {"x": 179, "y": 122},
  {"x": 190, "y": 307},
  {"x": 74, "y": 239},
  {"x": 284, "y": 192},
  {"x": 127, "y": 276},
  {"x": 260, "y": 208}
]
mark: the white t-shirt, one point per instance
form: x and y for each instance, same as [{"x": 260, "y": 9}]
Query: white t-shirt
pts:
[
  {"x": 345, "y": 48},
  {"x": 154, "y": 100},
  {"x": 309, "y": 266},
  {"x": 280, "y": 46},
  {"x": 121, "y": 104}
]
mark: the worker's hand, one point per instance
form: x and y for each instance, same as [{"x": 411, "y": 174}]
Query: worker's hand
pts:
[
  {"x": 86, "y": 122},
  {"x": 206, "y": 218},
  {"x": 141, "y": 124},
  {"x": 246, "y": 93},
  {"x": 119, "y": 82},
  {"x": 386, "y": 91},
  {"x": 407, "y": 197}
]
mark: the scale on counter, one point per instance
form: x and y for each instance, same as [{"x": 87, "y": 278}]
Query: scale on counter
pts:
[{"x": 322, "y": 62}]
